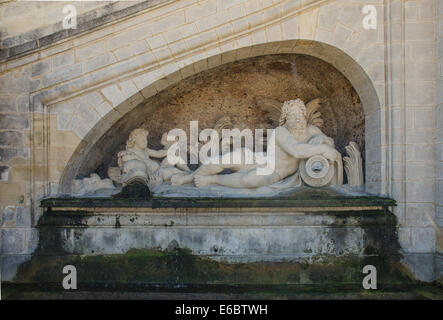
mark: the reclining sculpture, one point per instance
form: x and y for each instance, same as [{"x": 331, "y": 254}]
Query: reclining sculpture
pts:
[{"x": 302, "y": 153}]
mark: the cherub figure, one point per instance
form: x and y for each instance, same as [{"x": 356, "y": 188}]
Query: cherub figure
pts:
[{"x": 135, "y": 163}]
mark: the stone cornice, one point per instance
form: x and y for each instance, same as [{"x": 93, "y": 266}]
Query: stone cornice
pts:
[
  {"x": 20, "y": 45},
  {"x": 132, "y": 67}
]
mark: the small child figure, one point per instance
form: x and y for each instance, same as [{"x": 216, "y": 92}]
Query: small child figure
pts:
[{"x": 135, "y": 162}]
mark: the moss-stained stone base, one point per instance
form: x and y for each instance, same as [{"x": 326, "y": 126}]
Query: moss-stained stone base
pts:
[
  {"x": 297, "y": 247},
  {"x": 177, "y": 273},
  {"x": 181, "y": 267}
]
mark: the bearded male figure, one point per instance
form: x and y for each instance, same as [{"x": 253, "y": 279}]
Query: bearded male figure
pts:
[{"x": 295, "y": 139}]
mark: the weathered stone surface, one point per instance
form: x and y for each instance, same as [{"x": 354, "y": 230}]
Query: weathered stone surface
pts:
[
  {"x": 23, "y": 217},
  {"x": 31, "y": 240},
  {"x": 127, "y": 37},
  {"x": 439, "y": 216},
  {"x": 62, "y": 74},
  {"x": 7, "y": 154},
  {"x": 14, "y": 122},
  {"x": 10, "y": 263},
  {"x": 170, "y": 269},
  {"x": 103, "y": 108},
  {"x": 89, "y": 51},
  {"x": 13, "y": 240},
  {"x": 94, "y": 98},
  {"x": 63, "y": 60},
  {"x": 11, "y": 139},
  {"x": 7, "y": 216},
  {"x": 240, "y": 245},
  {"x": 114, "y": 95},
  {"x": 99, "y": 62},
  {"x": 237, "y": 235},
  {"x": 23, "y": 103},
  {"x": 53, "y": 37},
  {"x": 10, "y": 85},
  {"x": 23, "y": 48},
  {"x": 40, "y": 68},
  {"x": 8, "y": 104},
  {"x": 131, "y": 50},
  {"x": 4, "y": 173},
  {"x": 439, "y": 267},
  {"x": 422, "y": 265}
]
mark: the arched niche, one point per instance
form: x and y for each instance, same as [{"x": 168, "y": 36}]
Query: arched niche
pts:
[{"x": 308, "y": 70}]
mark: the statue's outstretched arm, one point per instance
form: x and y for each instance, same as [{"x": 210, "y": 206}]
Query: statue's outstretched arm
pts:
[
  {"x": 158, "y": 153},
  {"x": 321, "y": 138},
  {"x": 318, "y": 137},
  {"x": 304, "y": 150}
]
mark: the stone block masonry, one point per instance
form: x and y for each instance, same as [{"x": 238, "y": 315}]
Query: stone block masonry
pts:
[{"x": 60, "y": 91}]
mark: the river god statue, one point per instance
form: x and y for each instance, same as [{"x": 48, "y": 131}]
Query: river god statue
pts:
[{"x": 296, "y": 141}]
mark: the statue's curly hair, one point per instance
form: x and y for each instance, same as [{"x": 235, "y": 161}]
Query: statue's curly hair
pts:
[
  {"x": 130, "y": 143},
  {"x": 288, "y": 107}
]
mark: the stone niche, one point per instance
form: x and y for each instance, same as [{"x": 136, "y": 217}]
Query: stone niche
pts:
[
  {"x": 317, "y": 236},
  {"x": 232, "y": 90}
]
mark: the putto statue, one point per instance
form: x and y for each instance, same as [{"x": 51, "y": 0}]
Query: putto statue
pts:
[
  {"x": 297, "y": 140},
  {"x": 135, "y": 163}
]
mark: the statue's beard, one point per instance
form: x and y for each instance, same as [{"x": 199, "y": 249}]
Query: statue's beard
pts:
[{"x": 299, "y": 130}]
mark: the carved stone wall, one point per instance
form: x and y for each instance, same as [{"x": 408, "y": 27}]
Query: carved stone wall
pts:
[
  {"x": 59, "y": 94},
  {"x": 439, "y": 143}
]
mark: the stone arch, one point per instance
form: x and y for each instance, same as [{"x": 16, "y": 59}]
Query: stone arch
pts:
[{"x": 328, "y": 53}]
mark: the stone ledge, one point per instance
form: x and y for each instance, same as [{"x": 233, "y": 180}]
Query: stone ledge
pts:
[
  {"x": 216, "y": 218},
  {"x": 85, "y": 24},
  {"x": 307, "y": 198}
]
